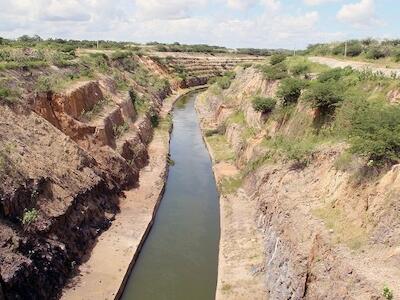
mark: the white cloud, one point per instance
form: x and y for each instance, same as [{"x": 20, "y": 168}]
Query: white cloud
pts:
[
  {"x": 359, "y": 14},
  {"x": 273, "y": 5},
  {"x": 172, "y": 9},
  {"x": 66, "y": 10},
  {"x": 318, "y": 2},
  {"x": 241, "y": 4},
  {"x": 186, "y": 21}
]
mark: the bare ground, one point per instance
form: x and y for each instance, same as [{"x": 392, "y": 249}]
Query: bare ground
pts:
[
  {"x": 241, "y": 249},
  {"x": 357, "y": 65}
]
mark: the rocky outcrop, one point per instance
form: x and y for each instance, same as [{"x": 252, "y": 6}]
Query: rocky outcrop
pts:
[
  {"x": 325, "y": 235},
  {"x": 70, "y": 201},
  {"x": 66, "y": 158}
]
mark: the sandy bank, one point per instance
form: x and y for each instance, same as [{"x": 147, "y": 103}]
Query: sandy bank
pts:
[{"x": 241, "y": 250}]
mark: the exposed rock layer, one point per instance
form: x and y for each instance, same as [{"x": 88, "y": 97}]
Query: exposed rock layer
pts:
[{"x": 325, "y": 236}]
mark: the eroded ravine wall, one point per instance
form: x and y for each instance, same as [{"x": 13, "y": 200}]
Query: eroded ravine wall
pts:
[{"x": 304, "y": 259}]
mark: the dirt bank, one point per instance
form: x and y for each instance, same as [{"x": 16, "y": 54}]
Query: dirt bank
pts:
[
  {"x": 321, "y": 235},
  {"x": 104, "y": 274},
  {"x": 240, "y": 262}
]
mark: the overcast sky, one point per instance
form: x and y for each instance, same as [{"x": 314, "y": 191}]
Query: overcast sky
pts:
[{"x": 232, "y": 23}]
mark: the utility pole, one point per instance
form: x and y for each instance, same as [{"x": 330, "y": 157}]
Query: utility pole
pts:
[
  {"x": 97, "y": 44},
  {"x": 345, "y": 49}
]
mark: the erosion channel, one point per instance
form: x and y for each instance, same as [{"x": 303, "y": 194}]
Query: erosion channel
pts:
[{"x": 179, "y": 259}]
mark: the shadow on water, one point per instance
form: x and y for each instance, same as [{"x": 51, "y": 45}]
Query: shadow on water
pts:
[{"x": 179, "y": 259}]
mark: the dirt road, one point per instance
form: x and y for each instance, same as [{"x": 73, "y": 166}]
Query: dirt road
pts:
[{"x": 357, "y": 65}]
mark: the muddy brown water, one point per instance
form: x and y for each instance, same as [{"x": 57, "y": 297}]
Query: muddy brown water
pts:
[{"x": 179, "y": 259}]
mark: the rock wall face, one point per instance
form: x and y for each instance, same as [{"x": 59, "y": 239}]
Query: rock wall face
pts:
[
  {"x": 325, "y": 235},
  {"x": 47, "y": 173},
  {"x": 66, "y": 158}
]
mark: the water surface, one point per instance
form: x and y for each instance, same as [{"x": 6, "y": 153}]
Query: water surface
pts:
[{"x": 179, "y": 259}]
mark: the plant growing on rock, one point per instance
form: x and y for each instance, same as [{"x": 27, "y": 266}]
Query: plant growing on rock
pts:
[
  {"x": 120, "y": 130},
  {"x": 44, "y": 84},
  {"x": 224, "y": 82},
  {"x": 7, "y": 95},
  {"x": 387, "y": 293},
  {"x": 263, "y": 104},
  {"x": 133, "y": 96},
  {"x": 290, "y": 90},
  {"x": 29, "y": 216},
  {"x": 154, "y": 119}
]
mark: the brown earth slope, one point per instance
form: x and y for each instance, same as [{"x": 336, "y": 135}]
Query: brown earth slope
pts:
[{"x": 324, "y": 237}]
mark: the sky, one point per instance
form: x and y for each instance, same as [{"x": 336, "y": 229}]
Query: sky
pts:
[{"x": 232, "y": 23}]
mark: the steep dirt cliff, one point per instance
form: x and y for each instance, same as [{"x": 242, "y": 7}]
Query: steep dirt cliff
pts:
[
  {"x": 70, "y": 147},
  {"x": 325, "y": 234}
]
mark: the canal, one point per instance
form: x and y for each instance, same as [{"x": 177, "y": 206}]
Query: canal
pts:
[{"x": 179, "y": 260}]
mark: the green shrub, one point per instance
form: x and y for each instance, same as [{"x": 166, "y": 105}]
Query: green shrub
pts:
[
  {"x": 30, "y": 216},
  {"x": 5, "y": 92},
  {"x": 275, "y": 72},
  {"x": 338, "y": 50},
  {"x": 220, "y": 130},
  {"x": 277, "y": 58},
  {"x": 375, "y": 132},
  {"x": 354, "y": 50},
  {"x": 44, "y": 84},
  {"x": 142, "y": 105},
  {"x": 387, "y": 293},
  {"x": 262, "y": 104},
  {"x": 246, "y": 65},
  {"x": 120, "y": 54},
  {"x": 396, "y": 56},
  {"x": 97, "y": 61},
  {"x": 95, "y": 110},
  {"x": 224, "y": 82},
  {"x": 334, "y": 74},
  {"x": 237, "y": 117},
  {"x": 300, "y": 68},
  {"x": 154, "y": 119},
  {"x": 297, "y": 150},
  {"x": 8, "y": 96},
  {"x": 290, "y": 90},
  {"x": 212, "y": 80},
  {"x": 133, "y": 96},
  {"x": 120, "y": 130},
  {"x": 375, "y": 53},
  {"x": 120, "y": 81},
  {"x": 230, "y": 74},
  {"x": 325, "y": 96}
]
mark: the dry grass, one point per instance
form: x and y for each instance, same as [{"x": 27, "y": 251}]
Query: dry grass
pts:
[
  {"x": 230, "y": 184},
  {"x": 344, "y": 230},
  {"x": 220, "y": 148}
]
